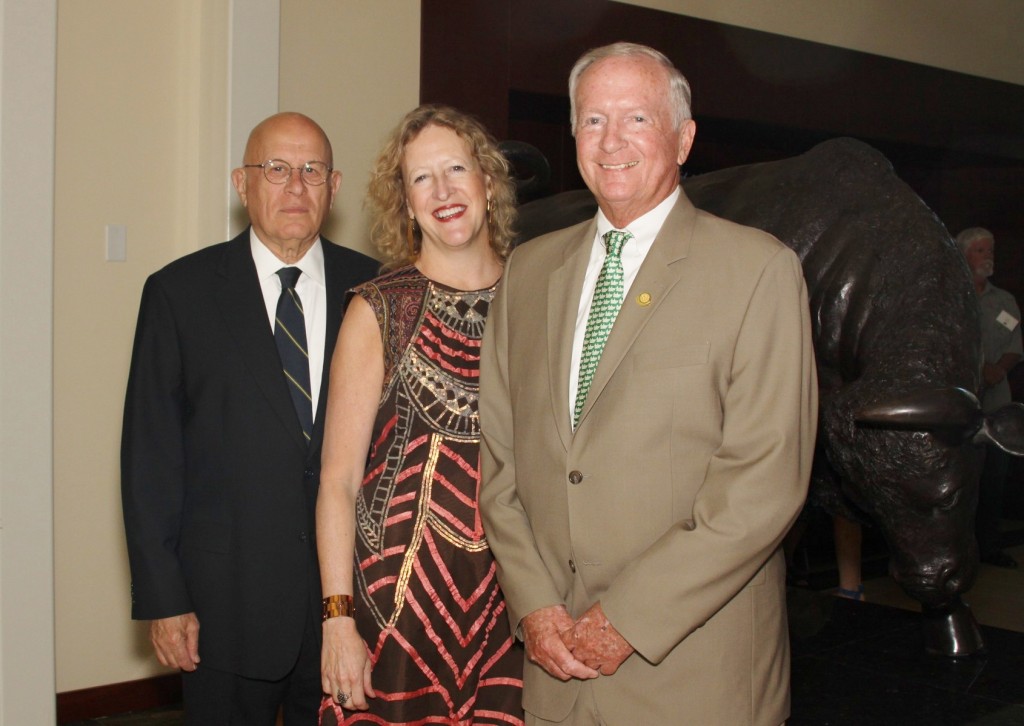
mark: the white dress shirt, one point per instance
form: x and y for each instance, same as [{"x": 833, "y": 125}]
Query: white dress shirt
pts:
[
  {"x": 644, "y": 229},
  {"x": 311, "y": 289}
]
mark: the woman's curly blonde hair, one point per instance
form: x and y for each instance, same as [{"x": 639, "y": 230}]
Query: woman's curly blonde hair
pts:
[{"x": 386, "y": 194}]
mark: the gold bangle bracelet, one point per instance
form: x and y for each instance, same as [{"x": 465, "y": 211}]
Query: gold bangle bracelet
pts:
[{"x": 338, "y": 605}]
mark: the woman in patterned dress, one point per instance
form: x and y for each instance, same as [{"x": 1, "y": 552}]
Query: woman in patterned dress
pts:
[{"x": 397, "y": 521}]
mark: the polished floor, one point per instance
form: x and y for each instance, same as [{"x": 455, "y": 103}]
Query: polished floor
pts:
[{"x": 863, "y": 663}]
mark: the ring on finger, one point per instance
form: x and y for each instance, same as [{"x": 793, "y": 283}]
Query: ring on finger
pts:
[{"x": 341, "y": 697}]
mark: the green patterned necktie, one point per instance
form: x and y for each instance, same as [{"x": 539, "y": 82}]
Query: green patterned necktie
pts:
[{"x": 607, "y": 300}]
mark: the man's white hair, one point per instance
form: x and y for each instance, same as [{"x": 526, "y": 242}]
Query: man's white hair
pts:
[
  {"x": 678, "y": 87},
  {"x": 969, "y": 236}
]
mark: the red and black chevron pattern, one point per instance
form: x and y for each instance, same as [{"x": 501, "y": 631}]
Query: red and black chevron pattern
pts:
[{"x": 427, "y": 597}]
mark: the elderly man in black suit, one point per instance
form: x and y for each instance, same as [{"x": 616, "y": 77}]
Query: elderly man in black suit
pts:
[{"x": 220, "y": 448}]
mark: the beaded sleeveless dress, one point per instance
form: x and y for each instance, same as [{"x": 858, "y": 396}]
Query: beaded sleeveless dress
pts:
[{"x": 427, "y": 599}]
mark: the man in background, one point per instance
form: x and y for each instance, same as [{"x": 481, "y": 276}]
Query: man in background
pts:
[{"x": 1001, "y": 348}]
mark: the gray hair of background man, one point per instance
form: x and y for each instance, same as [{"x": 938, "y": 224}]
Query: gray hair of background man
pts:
[
  {"x": 969, "y": 236},
  {"x": 679, "y": 88}
]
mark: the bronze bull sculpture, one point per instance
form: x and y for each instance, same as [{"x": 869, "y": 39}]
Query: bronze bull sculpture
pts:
[{"x": 898, "y": 354}]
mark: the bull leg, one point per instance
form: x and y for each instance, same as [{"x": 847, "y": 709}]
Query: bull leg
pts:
[
  {"x": 848, "y": 537},
  {"x": 951, "y": 630}
]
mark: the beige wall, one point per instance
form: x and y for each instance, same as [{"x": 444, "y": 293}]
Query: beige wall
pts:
[
  {"x": 141, "y": 141},
  {"x": 354, "y": 66},
  {"x": 27, "y": 91},
  {"x": 131, "y": 150},
  {"x": 980, "y": 37}
]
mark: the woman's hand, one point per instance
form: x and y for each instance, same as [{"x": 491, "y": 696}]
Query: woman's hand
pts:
[{"x": 345, "y": 665}]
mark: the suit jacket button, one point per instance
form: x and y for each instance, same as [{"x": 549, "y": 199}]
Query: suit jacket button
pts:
[
  {"x": 575, "y": 477},
  {"x": 308, "y": 473},
  {"x": 302, "y": 537},
  {"x": 572, "y": 566}
]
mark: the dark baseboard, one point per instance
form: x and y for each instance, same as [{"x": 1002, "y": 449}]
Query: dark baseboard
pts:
[{"x": 118, "y": 698}]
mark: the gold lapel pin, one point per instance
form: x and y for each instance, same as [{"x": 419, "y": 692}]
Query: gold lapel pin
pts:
[{"x": 643, "y": 299}]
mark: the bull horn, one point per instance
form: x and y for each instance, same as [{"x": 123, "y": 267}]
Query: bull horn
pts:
[
  {"x": 926, "y": 409},
  {"x": 530, "y": 169},
  {"x": 1004, "y": 427}
]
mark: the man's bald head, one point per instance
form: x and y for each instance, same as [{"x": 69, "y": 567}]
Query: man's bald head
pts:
[{"x": 286, "y": 123}]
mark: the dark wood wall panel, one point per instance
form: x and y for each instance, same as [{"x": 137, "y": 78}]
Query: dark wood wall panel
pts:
[
  {"x": 465, "y": 57},
  {"x": 958, "y": 140},
  {"x": 736, "y": 73}
]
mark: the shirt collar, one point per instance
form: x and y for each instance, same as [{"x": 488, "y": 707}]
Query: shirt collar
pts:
[
  {"x": 646, "y": 227},
  {"x": 267, "y": 265}
]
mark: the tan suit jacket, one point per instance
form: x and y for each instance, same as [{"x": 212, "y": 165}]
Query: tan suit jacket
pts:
[{"x": 689, "y": 464}]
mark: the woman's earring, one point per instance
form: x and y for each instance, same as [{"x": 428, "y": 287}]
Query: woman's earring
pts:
[{"x": 410, "y": 238}]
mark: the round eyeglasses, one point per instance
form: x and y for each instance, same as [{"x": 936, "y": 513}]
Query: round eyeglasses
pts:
[{"x": 313, "y": 173}]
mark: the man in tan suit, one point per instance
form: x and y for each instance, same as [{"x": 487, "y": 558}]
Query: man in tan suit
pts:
[{"x": 637, "y": 524}]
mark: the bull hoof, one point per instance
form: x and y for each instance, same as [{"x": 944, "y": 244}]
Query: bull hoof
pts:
[{"x": 951, "y": 631}]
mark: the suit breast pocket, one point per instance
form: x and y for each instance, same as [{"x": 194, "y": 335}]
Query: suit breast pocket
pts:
[
  {"x": 676, "y": 383},
  {"x": 675, "y": 356}
]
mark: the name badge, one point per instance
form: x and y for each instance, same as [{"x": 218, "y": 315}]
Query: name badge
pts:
[{"x": 1007, "y": 320}]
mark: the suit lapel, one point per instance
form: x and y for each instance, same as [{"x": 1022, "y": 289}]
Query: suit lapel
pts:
[
  {"x": 565, "y": 285},
  {"x": 245, "y": 317},
  {"x": 658, "y": 274}
]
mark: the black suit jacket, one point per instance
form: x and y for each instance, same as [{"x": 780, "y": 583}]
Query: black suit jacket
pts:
[{"x": 218, "y": 487}]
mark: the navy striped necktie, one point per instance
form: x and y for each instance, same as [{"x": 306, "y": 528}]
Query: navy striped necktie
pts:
[{"x": 290, "y": 336}]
